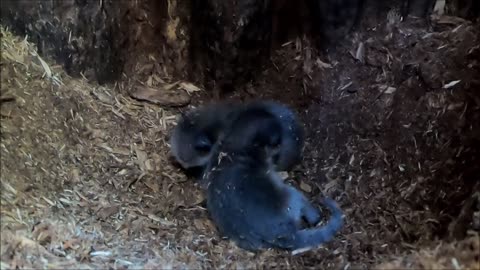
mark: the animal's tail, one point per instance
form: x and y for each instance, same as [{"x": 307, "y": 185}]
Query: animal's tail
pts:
[{"x": 308, "y": 238}]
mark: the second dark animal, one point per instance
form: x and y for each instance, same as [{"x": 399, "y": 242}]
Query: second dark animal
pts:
[
  {"x": 248, "y": 200},
  {"x": 199, "y": 130}
]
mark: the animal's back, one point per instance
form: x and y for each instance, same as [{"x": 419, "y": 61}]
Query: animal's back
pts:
[
  {"x": 242, "y": 199},
  {"x": 247, "y": 206}
]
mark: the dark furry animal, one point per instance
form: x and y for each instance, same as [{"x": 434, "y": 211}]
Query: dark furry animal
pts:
[
  {"x": 292, "y": 134},
  {"x": 248, "y": 200},
  {"x": 199, "y": 130}
]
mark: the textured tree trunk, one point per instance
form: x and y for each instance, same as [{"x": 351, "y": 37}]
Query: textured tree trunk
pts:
[
  {"x": 219, "y": 41},
  {"x": 468, "y": 9},
  {"x": 96, "y": 38}
]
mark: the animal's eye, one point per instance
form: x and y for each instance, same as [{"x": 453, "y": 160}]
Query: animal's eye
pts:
[{"x": 203, "y": 144}]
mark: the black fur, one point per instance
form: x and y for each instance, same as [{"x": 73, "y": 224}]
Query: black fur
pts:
[
  {"x": 196, "y": 133},
  {"x": 199, "y": 130},
  {"x": 248, "y": 200}
]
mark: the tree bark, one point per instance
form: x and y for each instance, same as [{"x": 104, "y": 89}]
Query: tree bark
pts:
[
  {"x": 98, "y": 38},
  {"x": 223, "y": 42}
]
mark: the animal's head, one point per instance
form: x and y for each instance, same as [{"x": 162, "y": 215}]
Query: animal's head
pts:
[
  {"x": 269, "y": 139},
  {"x": 255, "y": 131},
  {"x": 190, "y": 143}
]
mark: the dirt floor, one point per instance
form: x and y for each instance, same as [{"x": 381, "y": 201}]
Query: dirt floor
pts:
[{"x": 393, "y": 124}]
